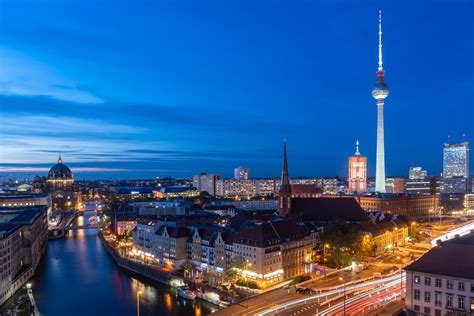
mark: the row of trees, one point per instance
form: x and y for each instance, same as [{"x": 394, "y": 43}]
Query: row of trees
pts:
[{"x": 230, "y": 274}]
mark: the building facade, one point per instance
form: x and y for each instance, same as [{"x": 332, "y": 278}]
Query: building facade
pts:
[
  {"x": 357, "y": 177},
  {"x": 204, "y": 182},
  {"x": 409, "y": 206},
  {"x": 456, "y": 160},
  {"x": 435, "y": 285},
  {"x": 417, "y": 173},
  {"x": 242, "y": 173}
]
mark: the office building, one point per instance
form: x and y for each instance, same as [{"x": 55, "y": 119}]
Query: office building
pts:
[
  {"x": 456, "y": 184},
  {"x": 409, "y": 206},
  {"x": 425, "y": 186},
  {"x": 204, "y": 182},
  {"x": 417, "y": 173},
  {"x": 456, "y": 160},
  {"x": 239, "y": 188},
  {"x": 22, "y": 200},
  {"x": 242, "y": 173}
]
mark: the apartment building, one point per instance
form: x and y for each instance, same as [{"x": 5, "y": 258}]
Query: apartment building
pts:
[{"x": 442, "y": 281}]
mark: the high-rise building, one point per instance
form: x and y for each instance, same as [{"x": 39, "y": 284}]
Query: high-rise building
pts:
[
  {"x": 284, "y": 195},
  {"x": 456, "y": 160},
  {"x": 425, "y": 186},
  {"x": 206, "y": 182},
  {"x": 380, "y": 92},
  {"x": 241, "y": 173},
  {"x": 417, "y": 173},
  {"x": 357, "y": 172}
]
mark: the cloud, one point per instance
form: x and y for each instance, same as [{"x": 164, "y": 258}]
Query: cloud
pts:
[
  {"x": 24, "y": 76},
  {"x": 73, "y": 169}
]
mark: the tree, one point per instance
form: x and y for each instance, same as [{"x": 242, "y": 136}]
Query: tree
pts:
[
  {"x": 239, "y": 263},
  {"x": 367, "y": 247},
  {"x": 343, "y": 243},
  {"x": 187, "y": 267}
]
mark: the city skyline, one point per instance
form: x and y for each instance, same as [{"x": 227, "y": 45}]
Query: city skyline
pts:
[{"x": 207, "y": 107}]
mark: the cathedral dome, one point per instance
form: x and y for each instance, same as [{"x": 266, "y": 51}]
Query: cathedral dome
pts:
[{"x": 60, "y": 171}]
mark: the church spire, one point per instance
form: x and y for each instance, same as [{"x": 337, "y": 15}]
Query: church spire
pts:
[
  {"x": 59, "y": 159},
  {"x": 285, "y": 179}
]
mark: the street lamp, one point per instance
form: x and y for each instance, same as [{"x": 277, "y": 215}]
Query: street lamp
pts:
[
  {"x": 401, "y": 276},
  {"x": 324, "y": 259},
  {"x": 138, "y": 302},
  {"x": 249, "y": 265},
  {"x": 412, "y": 228},
  {"x": 342, "y": 279}
]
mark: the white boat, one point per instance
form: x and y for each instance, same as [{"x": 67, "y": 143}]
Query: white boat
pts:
[{"x": 187, "y": 293}]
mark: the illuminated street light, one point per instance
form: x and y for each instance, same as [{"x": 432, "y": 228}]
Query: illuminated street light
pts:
[
  {"x": 138, "y": 302},
  {"x": 324, "y": 259},
  {"x": 342, "y": 279},
  {"x": 401, "y": 276}
]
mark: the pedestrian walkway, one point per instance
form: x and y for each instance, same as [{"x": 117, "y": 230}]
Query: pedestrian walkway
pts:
[{"x": 36, "y": 311}]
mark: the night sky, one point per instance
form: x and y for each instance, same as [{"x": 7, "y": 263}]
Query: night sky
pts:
[{"x": 171, "y": 88}]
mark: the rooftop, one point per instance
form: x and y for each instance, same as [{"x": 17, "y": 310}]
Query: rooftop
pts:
[
  {"x": 441, "y": 259},
  {"x": 328, "y": 209},
  {"x": 10, "y": 196}
]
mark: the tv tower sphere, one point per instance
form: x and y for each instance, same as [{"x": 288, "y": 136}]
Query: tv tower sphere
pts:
[{"x": 380, "y": 90}]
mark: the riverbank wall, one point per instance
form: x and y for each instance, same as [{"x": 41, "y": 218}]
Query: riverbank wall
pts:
[{"x": 149, "y": 272}]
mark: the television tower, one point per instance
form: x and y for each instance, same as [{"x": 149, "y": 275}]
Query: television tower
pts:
[{"x": 380, "y": 92}]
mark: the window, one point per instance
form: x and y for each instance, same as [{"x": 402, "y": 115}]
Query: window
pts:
[
  {"x": 417, "y": 308},
  {"x": 417, "y": 279},
  {"x": 449, "y": 300},
  {"x": 427, "y": 296},
  {"x": 437, "y": 312},
  {"x": 472, "y": 287},
  {"x": 427, "y": 281},
  {"x": 461, "y": 286},
  {"x": 438, "y": 283},
  {"x": 417, "y": 295},
  {"x": 438, "y": 298},
  {"x": 461, "y": 300},
  {"x": 449, "y": 284},
  {"x": 427, "y": 310}
]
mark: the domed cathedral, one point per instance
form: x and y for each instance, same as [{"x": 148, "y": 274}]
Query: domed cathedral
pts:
[
  {"x": 60, "y": 176},
  {"x": 60, "y": 184}
]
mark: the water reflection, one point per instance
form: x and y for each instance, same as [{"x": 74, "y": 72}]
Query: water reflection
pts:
[{"x": 78, "y": 277}]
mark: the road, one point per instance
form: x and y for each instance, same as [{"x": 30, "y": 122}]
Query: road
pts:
[{"x": 287, "y": 307}]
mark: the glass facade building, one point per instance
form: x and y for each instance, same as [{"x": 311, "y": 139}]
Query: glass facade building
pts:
[{"x": 456, "y": 160}]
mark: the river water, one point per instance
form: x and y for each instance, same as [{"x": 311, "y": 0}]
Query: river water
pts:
[{"x": 77, "y": 277}]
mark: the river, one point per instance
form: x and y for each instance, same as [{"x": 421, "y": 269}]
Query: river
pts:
[{"x": 76, "y": 276}]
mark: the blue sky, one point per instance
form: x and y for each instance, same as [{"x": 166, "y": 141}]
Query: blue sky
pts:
[{"x": 157, "y": 88}]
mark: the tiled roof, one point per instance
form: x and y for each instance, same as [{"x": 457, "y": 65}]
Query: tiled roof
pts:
[
  {"x": 454, "y": 258},
  {"x": 270, "y": 233},
  {"x": 174, "y": 232},
  {"x": 327, "y": 209},
  {"x": 300, "y": 188}
]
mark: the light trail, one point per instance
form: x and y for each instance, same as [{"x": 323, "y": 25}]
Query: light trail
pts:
[
  {"x": 365, "y": 300},
  {"x": 391, "y": 279},
  {"x": 461, "y": 231},
  {"x": 357, "y": 298}
]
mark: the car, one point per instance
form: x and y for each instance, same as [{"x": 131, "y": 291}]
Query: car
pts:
[{"x": 304, "y": 290}]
